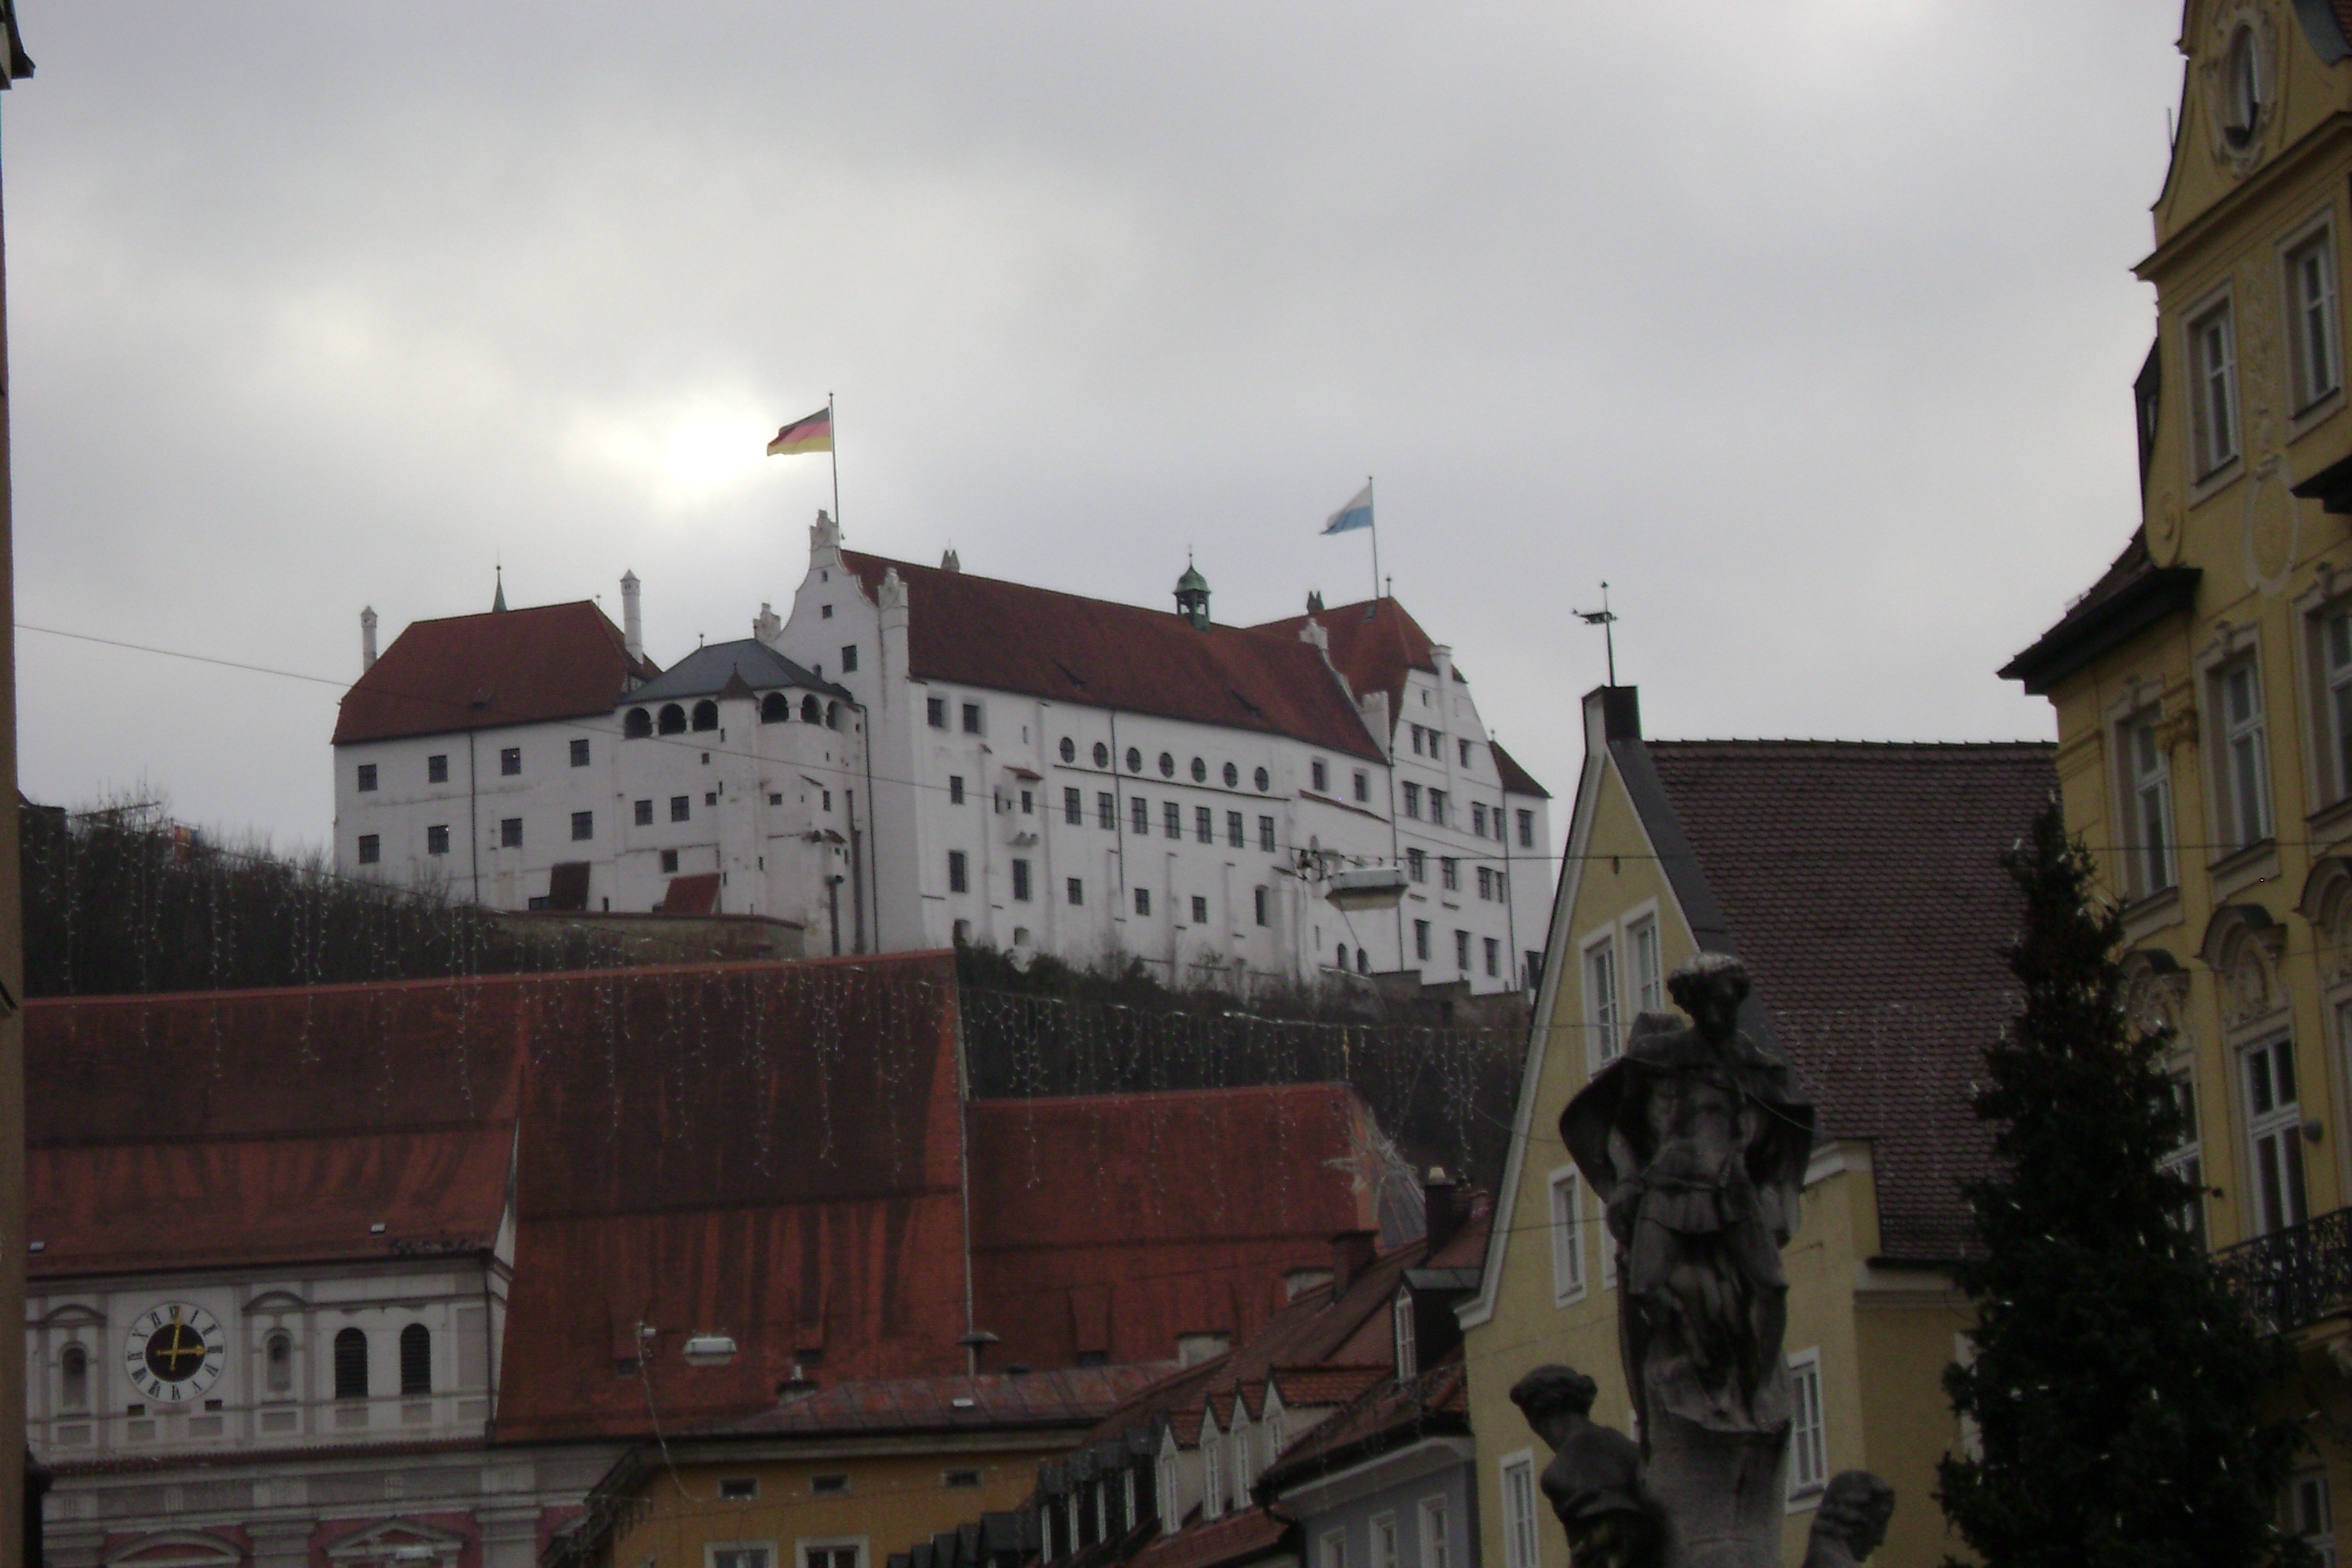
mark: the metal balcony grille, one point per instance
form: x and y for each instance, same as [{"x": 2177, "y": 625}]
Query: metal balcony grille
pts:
[{"x": 2295, "y": 1276}]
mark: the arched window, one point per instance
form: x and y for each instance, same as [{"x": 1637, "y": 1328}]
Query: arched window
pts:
[
  {"x": 638, "y": 724},
  {"x": 832, "y": 715},
  {"x": 416, "y": 1359},
  {"x": 2242, "y": 83},
  {"x": 278, "y": 1362},
  {"x": 810, "y": 712},
  {"x": 1343, "y": 955},
  {"x": 673, "y": 718},
  {"x": 706, "y": 714},
  {"x": 1363, "y": 962},
  {"x": 776, "y": 708},
  {"x": 352, "y": 1364},
  {"x": 73, "y": 1378}
]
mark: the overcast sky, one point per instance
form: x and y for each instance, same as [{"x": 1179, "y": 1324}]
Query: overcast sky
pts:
[{"x": 1808, "y": 325}]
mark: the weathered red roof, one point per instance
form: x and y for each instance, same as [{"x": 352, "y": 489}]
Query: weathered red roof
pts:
[
  {"x": 1113, "y": 1223},
  {"x": 696, "y": 893},
  {"x": 1376, "y": 644},
  {"x": 1064, "y": 1397},
  {"x": 1863, "y": 889},
  {"x": 1330, "y": 1384},
  {"x": 1076, "y": 649},
  {"x": 477, "y": 672},
  {"x": 1237, "y": 1538},
  {"x": 1384, "y": 1414}
]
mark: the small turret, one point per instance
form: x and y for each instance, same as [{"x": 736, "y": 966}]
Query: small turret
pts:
[
  {"x": 633, "y": 621},
  {"x": 1193, "y": 597},
  {"x": 367, "y": 638},
  {"x": 498, "y": 602}
]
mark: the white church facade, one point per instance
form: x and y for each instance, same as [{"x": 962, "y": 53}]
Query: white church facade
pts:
[{"x": 917, "y": 755}]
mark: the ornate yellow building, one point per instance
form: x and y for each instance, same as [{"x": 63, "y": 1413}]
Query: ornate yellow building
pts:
[{"x": 2203, "y": 685}]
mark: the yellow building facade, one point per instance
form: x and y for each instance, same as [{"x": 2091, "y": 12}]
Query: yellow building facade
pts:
[
  {"x": 1751, "y": 848},
  {"x": 2203, "y": 684}
]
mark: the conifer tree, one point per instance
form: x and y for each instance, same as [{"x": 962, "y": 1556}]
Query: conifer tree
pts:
[{"x": 2118, "y": 1384}]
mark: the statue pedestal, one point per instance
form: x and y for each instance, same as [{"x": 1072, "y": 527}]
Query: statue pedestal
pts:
[{"x": 1722, "y": 1491}]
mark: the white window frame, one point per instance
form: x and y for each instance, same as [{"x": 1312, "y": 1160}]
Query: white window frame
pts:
[
  {"x": 1516, "y": 1475},
  {"x": 1436, "y": 1545},
  {"x": 1383, "y": 1542},
  {"x": 1241, "y": 1454},
  {"x": 1333, "y": 1549},
  {"x": 2242, "y": 764},
  {"x": 2314, "y": 328},
  {"x": 1604, "y": 1014},
  {"x": 1566, "y": 1214},
  {"x": 2332, "y": 665},
  {"x": 857, "y": 1543},
  {"x": 712, "y": 1550},
  {"x": 2307, "y": 1513},
  {"x": 1646, "y": 948},
  {"x": 1170, "y": 1502},
  {"x": 2278, "y": 1198},
  {"x": 1213, "y": 1469},
  {"x": 1809, "y": 1431},
  {"x": 2211, "y": 336},
  {"x": 1404, "y": 1328},
  {"x": 2188, "y": 1160},
  {"x": 2147, "y": 783}
]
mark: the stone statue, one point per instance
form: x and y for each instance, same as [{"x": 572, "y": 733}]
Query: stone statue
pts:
[
  {"x": 1696, "y": 1140},
  {"x": 1595, "y": 1480},
  {"x": 1850, "y": 1520}
]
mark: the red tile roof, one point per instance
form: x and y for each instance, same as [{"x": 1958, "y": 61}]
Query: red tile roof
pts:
[
  {"x": 1113, "y": 1223},
  {"x": 1236, "y": 1539},
  {"x": 1385, "y": 1414},
  {"x": 1076, "y": 649},
  {"x": 1517, "y": 780},
  {"x": 1863, "y": 889},
  {"x": 477, "y": 672},
  {"x": 1068, "y": 1396},
  {"x": 1375, "y": 644},
  {"x": 1330, "y": 1384}
]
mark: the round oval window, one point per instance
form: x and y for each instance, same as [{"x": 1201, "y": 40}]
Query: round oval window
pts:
[
  {"x": 1134, "y": 761},
  {"x": 1069, "y": 750},
  {"x": 1166, "y": 767},
  {"x": 1102, "y": 755},
  {"x": 1233, "y": 776},
  {"x": 1200, "y": 770},
  {"x": 1264, "y": 782}
]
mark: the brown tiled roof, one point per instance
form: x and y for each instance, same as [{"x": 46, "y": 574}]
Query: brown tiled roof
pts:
[
  {"x": 1517, "y": 780},
  {"x": 1376, "y": 644},
  {"x": 1072, "y": 649},
  {"x": 1385, "y": 1414},
  {"x": 1860, "y": 884},
  {"x": 477, "y": 672},
  {"x": 1071, "y": 1396},
  {"x": 1328, "y": 1383},
  {"x": 1237, "y": 1538},
  {"x": 2132, "y": 593}
]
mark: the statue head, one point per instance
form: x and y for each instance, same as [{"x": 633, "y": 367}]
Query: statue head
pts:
[
  {"x": 1710, "y": 988},
  {"x": 1552, "y": 1396},
  {"x": 1856, "y": 1509}
]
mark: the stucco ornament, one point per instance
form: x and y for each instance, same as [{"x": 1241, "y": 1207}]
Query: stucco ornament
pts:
[
  {"x": 2248, "y": 993},
  {"x": 1696, "y": 1140},
  {"x": 2164, "y": 526}
]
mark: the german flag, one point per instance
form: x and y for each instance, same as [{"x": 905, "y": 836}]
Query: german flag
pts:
[{"x": 813, "y": 434}]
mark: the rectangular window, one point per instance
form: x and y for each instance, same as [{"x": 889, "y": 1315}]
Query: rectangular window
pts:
[
  {"x": 2307, "y": 1516},
  {"x": 1494, "y": 958},
  {"x": 1412, "y": 794},
  {"x": 1237, "y": 831},
  {"x": 1142, "y": 814},
  {"x": 849, "y": 659},
  {"x": 1485, "y": 884},
  {"x": 2245, "y": 757},
  {"x": 740, "y": 1556},
  {"x": 1567, "y": 1238},
  {"x": 1107, "y": 811},
  {"x": 1319, "y": 772},
  {"x": 681, "y": 807},
  {"x": 2213, "y": 389},
  {"x": 584, "y": 825},
  {"x": 437, "y": 838},
  {"x": 1437, "y": 806},
  {"x": 1461, "y": 950},
  {"x": 1421, "y": 940},
  {"x": 1074, "y": 807},
  {"x": 2336, "y": 648},
  {"x": 1143, "y": 900},
  {"x": 511, "y": 833},
  {"x": 1172, "y": 819},
  {"x": 935, "y": 711},
  {"x": 371, "y": 849},
  {"x": 2148, "y": 782},
  {"x": 1436, "y": 1548},
  {"x": 2275, "y": 1129},
  {"x": 2188, "y": 1161},
  {"x": 2311, "y": 332},
  {"x": 1258, "y": 896},
  {"x": 959, "y": 879},
  {"x": 1519, "y": 1512},
  {"x": 739, "y": 1489},
  {"x": 1265, "y": 834},
  {"x": 1077, "y": 891},
  {"x": 669, "y": 862},
  {"x": 1384, "y": 1541},
  {"x": 1205, "y": 825},
  {"x": 1478, "y": 817},
  {"x": 1021, "y": 882},
  {"x": 1363, "y": 786},
  {"x": 1464, "y": 753},
  {"x": 510, "y": 761},
  {"x": 1449, "y": 873},
  {"x": 580, "y": 751},
  {"x": 1200, "y": 910},
  {"x": 643, "y": 814},
  {"x": 1808, "y": 1457},
  {"x": 1649, "y": 970},
  {"x": 1416, "y": 865},
  {"x": 972, "y": 719},
  {"x": 436, "y": 768},
  {"x": 1601, "y": 1004},
  {"x": 955, "y": 789},
  {"x": 1028, "y": 803},
  {"x": 1334, "y": 1553},
  {"x": 1526, "y": 828},
  {"x": 367, "y": 776}
]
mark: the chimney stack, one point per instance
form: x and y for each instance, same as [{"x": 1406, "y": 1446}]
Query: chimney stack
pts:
[
  {"x": 367, "y": 640},
  {"x": 1352, "y": 1252},
  {"x": 633, "y": 626},
  {"x": 1442, "y": 1203}
]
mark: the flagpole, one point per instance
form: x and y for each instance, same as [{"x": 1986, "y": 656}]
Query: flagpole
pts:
[
  {"x": 1372, "y": 502},
  {"x": 832, "y": 450}
]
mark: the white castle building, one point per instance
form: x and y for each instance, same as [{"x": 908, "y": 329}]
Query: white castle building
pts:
[{"x": 917, "y": 755}]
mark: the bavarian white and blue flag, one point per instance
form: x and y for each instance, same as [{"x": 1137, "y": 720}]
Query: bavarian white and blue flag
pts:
[{"x": 1356, "y": 513}]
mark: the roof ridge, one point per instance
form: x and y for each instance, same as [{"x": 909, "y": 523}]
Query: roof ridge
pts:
[
  {"x": 1057, "y": 593},
  {"x": 1979, "y": 746}
]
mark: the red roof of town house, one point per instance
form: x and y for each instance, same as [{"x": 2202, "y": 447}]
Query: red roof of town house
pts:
[
  {"x": 1236, "y": 1539},
  {"x": 477, "y": 672},
  {"x": 1067, "y": 1396},
  {"x": 1076, "y": 649},
  {"x": 1385, "y": 1413},
  {"x": 1110, "y": 1224}
]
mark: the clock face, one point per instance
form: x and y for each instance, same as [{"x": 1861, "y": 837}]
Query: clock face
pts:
[{"x": 175, "y": 1352}]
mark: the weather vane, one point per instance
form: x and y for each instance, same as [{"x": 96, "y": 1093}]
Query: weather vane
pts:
[{"x": 1606, "y": 619}]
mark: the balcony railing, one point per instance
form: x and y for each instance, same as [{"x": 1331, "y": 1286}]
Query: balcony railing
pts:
[{"x": 2294, "y": 1277}]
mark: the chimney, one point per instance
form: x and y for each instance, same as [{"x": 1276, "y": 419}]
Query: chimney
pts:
[
  {"x": 367, "y": 640},
  {"x": 633, "y": 623},
  {"x": 1352, "y": 1252},
  {"x": 1442, "y": 1202},
  {"x": 1192, "y": 1349}
]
